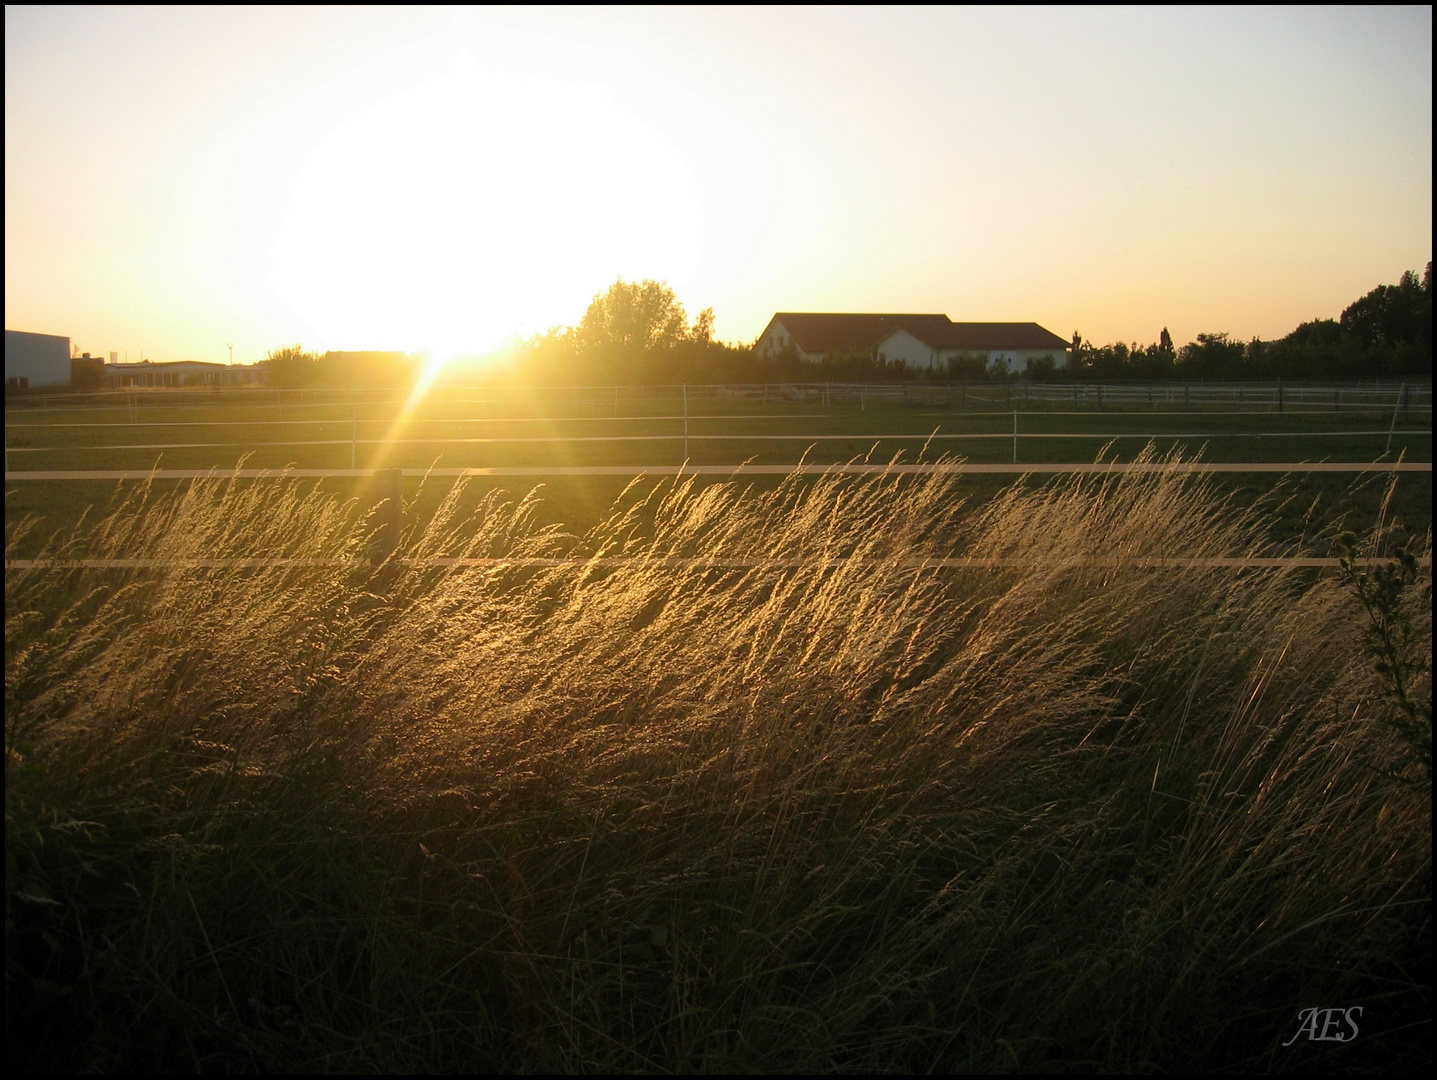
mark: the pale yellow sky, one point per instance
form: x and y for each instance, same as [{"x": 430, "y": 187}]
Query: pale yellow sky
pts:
[{"x": 438, "y": 178}]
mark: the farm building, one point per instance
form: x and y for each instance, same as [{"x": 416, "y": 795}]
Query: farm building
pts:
[
  {"x": 184, "y": 373},
  {"x": 35, "y": 360},
  {"x": 87, "y": 372},
  {"x": 922, "y": 341}
]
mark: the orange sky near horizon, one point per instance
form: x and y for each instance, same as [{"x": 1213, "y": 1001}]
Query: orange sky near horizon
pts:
[{"x": 447, "y": 179}]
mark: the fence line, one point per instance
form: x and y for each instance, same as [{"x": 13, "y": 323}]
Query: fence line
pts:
[
  {"x": 806, "y": 469},
  {"x": 626, "y": 418},
  {"x": 1304, "y": 396},
  {"x": 685, "y": 438}
]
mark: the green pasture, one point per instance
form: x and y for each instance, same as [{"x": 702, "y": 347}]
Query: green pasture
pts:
[
  {"x": 547, "y": 431},
  {"x": 478, "y": 433}
]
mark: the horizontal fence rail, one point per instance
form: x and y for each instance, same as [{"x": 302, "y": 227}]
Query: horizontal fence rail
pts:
[
  {"x": 682, "y": 438},
  {"x": 1303, "y": 396},
  {"x": 70, "y": 425},
  {"x": 851, "y": 469}
]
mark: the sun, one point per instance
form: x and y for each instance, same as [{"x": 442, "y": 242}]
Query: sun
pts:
[{"x": 476, "y": 205}]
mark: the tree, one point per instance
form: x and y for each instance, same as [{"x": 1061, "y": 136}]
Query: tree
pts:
[
  {"x": 640, "y": 332},
  {"x": 641, "y": 317},
  {"x": 969, "y": 366},
  {"x": 291, "y": 366},
  {"x": 1041, "y": 368},
  {"x": 1392, "y": 314},
  {"x": 1213, "y": 356},
  {"x": 703, "y": 326}
]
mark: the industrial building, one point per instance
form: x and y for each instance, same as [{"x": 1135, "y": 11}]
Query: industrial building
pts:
[
  {"x": 36, "y": 360},
  {"x": 184, "y": 373}
]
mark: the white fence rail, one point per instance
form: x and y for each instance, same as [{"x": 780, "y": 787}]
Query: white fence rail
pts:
[
  {"x": 734, "y": 470},
  {"x": 1339, "y": 397}
]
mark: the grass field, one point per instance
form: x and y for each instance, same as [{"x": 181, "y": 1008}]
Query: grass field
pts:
[
  {"x": 466, "y": 431},
  {"x": 461, "y": 434},
  {"x": 1068, "y": 812}
]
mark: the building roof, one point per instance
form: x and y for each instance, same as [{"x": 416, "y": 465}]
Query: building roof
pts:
[
  {"x": 825, "y": 332},
  {"x": 991, "y": 335},
  {"x": 155, "y": 365}
]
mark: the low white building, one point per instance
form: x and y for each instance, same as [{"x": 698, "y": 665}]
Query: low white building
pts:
[
  {"x": 185, "y": 373},
  {"x": 36, "y": 360},
  {"x": 920, "y": 341}
]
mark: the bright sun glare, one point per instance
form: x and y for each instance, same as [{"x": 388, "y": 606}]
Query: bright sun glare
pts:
[{"x": 459, "y": 209}]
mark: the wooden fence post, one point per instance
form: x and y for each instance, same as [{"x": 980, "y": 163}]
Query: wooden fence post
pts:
[{"x": 388, "y": 515}]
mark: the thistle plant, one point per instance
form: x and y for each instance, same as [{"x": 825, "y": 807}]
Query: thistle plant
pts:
[{"x": 1390, "y": 593}]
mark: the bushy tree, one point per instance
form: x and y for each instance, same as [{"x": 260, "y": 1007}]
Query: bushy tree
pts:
[
  {"x": 641, "y": 317},
  {"x": 292, "y": 366},
  {"x": 1041, "y": 369},
  {"x": 1213, "y": 356},
  {"x": 1121, "y": 361},
  {"x": 633, "y": 332},
  {"x": 969, "y": 366},
  {"x": 1393, "y": 315}
]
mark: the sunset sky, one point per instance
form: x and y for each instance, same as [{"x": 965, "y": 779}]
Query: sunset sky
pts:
[{"x": 432, "y": 178}]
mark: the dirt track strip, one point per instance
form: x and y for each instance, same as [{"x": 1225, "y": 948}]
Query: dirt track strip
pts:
[
  {"x": 1147, "y": 563},
  {"x": 747, "y": 470}
]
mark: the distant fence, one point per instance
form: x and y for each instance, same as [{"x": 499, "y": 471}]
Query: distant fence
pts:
[
  {"x": 1277, "y": 397},
  {"x": 810, "y": 469}
]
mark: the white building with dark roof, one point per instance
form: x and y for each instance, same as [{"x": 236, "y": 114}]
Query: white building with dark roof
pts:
[{"x": 920, "y": 341}]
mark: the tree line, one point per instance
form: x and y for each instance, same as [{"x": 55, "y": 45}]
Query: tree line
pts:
[
  {"x": 640, "y": 333},
  {"x": 1386, "y": 334}
]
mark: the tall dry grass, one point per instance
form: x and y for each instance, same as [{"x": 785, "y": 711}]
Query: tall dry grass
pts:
[{"x": 813, "y": 806}]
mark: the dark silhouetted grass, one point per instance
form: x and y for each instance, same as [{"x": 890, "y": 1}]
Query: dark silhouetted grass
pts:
[{"x": 1071, "y": 812}]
